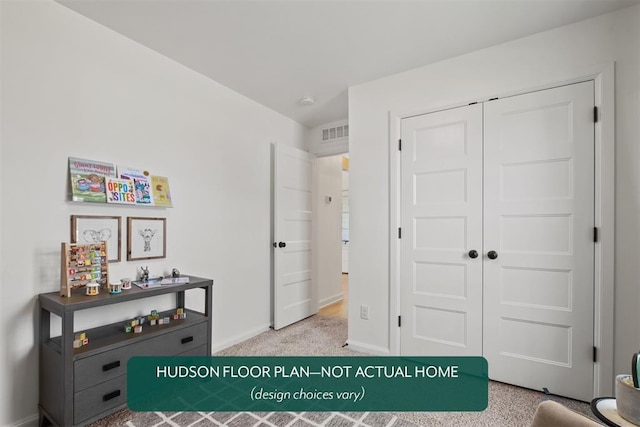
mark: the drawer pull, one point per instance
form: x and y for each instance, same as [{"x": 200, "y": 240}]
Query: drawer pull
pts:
[
  {"x": 110, "y": 366},
  {"x": 186, "y": 340},
  {"x": 111, "y": 395}
]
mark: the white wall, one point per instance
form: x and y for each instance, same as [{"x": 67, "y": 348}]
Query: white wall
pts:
[
  {"x": 328, "y": 228},
  {"x": 527, "y": 63},
  {"x": 71, "y": 87}
]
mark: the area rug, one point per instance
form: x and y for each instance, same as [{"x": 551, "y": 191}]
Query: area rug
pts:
[{"x": 509, "y": 406}]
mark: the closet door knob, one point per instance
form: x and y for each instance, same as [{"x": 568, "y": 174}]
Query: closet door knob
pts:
[
  {"x": 282, "y": 245},
  {"x": 492, "y": 254},
  {"x": 473, "y": 253}
]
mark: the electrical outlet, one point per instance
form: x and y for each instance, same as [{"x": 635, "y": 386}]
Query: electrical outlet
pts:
[{"x": 364, "y": 312}]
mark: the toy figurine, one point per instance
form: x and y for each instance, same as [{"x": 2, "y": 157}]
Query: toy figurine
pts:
[
  {"x": 126, "y": 283},
  {"x": 92, "y": 289},
  {"x": 144, "y": 274},
  {"x": 175, "y": 272}
]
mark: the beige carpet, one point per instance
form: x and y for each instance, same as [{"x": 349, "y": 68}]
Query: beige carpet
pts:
[{"x": 324, "y": 336}]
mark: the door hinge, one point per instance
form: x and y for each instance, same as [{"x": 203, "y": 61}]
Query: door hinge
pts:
[
  {"x": 595, "y": 354},
  {"x": 595, "y": 234},
  {"x": 399, "y": 321},
  {"x": 595, "y": 114},
  {"x": 399, "y": 145},
  {"x": 399, "y": 232}
]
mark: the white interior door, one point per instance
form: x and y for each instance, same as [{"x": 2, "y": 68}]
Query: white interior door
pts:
[
  {"x": 441, "y": 280},
  {"x": 293, "y": 293},
  {"x": 539, "y": 219},
  {"x": 512, "y": 179}
]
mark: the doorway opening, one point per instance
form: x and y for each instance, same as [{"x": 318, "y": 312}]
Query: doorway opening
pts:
[{"x": 333, "y": 235}]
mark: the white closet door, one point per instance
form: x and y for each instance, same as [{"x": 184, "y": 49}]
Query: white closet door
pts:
[
  {"x": 441, "y": 285},
  {"x": 539, "y": 218}
]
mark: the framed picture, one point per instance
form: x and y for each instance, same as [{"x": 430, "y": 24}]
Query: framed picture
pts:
[
  {"x": 96, "y": 229},
  {"x": 146, "y": 238}
]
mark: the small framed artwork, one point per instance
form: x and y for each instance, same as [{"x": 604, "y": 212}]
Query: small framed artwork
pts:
[
  {"x": 146, "y": 238},
  {"x": 96, "y": 229}
]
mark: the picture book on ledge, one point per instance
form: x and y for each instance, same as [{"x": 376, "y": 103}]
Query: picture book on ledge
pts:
[
  {"x": 141, "y": 184},
  {"x": 161, "y": 192},
  {"x": 88, "y": 179},
  {"x": 101, "y": 182},
  {"x": 120, "y": 191}
]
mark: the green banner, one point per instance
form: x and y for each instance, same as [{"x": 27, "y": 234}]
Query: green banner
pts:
[{"x": 343, "y": 383}]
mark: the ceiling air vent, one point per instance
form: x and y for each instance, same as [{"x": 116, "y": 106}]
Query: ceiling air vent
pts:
[{"x": 337, "y": 132}]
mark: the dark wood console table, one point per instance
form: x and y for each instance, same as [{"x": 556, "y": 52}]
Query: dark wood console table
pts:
[{"x": 81, "y": 385}]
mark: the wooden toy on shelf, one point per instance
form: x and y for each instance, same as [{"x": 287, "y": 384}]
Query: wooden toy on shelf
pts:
[
  {"x": 126, "y": 283},
  {"x": 80, "y": 339},
  {"x": 83, "y": 265},
  {"x": 135, "y": 325},
  {"x": 92, "y": 289}
]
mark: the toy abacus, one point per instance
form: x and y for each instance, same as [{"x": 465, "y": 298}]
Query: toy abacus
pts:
[{"x": 83, "y": 264}]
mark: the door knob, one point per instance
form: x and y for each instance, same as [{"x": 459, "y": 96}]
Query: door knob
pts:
[
  {"x": 473, "y": 253},
  {"x": 492, "y": 254},
  {"x": 282, "y": 245}
]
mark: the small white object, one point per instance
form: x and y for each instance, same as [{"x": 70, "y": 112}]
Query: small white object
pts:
[
  {"x": 364, "y": 312},
  {"x": 92, "y": 289},
  {"x": 126, "y": 283},
  {"x": 306, "y": 100}
]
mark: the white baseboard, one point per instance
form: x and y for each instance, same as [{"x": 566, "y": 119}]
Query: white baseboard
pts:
[
  {"x": 367, "y": 348},
  {"x": 30, "y": 421},
  {"x": 332, "y": 299},
  {"x": 239, "y": 338}
]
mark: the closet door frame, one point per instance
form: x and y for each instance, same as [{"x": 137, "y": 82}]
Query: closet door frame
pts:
[{"x": 603, "y": 76}]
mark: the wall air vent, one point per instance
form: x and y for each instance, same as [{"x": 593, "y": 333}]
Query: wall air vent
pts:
[{"x": 330, "y": 134}]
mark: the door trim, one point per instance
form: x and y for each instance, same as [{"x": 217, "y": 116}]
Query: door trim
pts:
[{"x": 603, "y": 76}]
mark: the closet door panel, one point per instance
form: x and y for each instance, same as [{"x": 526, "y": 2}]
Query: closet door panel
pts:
[
  {"x": 441, "y": 216},
  {"x": 539, "y": 218}
]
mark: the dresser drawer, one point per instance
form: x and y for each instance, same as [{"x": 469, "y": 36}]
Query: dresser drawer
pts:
[
  {"x": 99, "y": 398},
  {"x": 174, "y": 342},
  {"x": 198, "y": 351},
  {"x": 104, "y": 366},
  {"x": 101, "y": 367}
]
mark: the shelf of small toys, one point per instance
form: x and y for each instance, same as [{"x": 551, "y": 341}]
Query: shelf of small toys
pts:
[
  {"x": 153, "y": 319},
  {"x": 83, "y": 265},
  {"x": 80, "y": 339},
  {"x": 69, "y": 370}
]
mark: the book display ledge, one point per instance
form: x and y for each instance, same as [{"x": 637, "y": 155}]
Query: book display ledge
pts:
[{"x": 82, "y": 385}]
